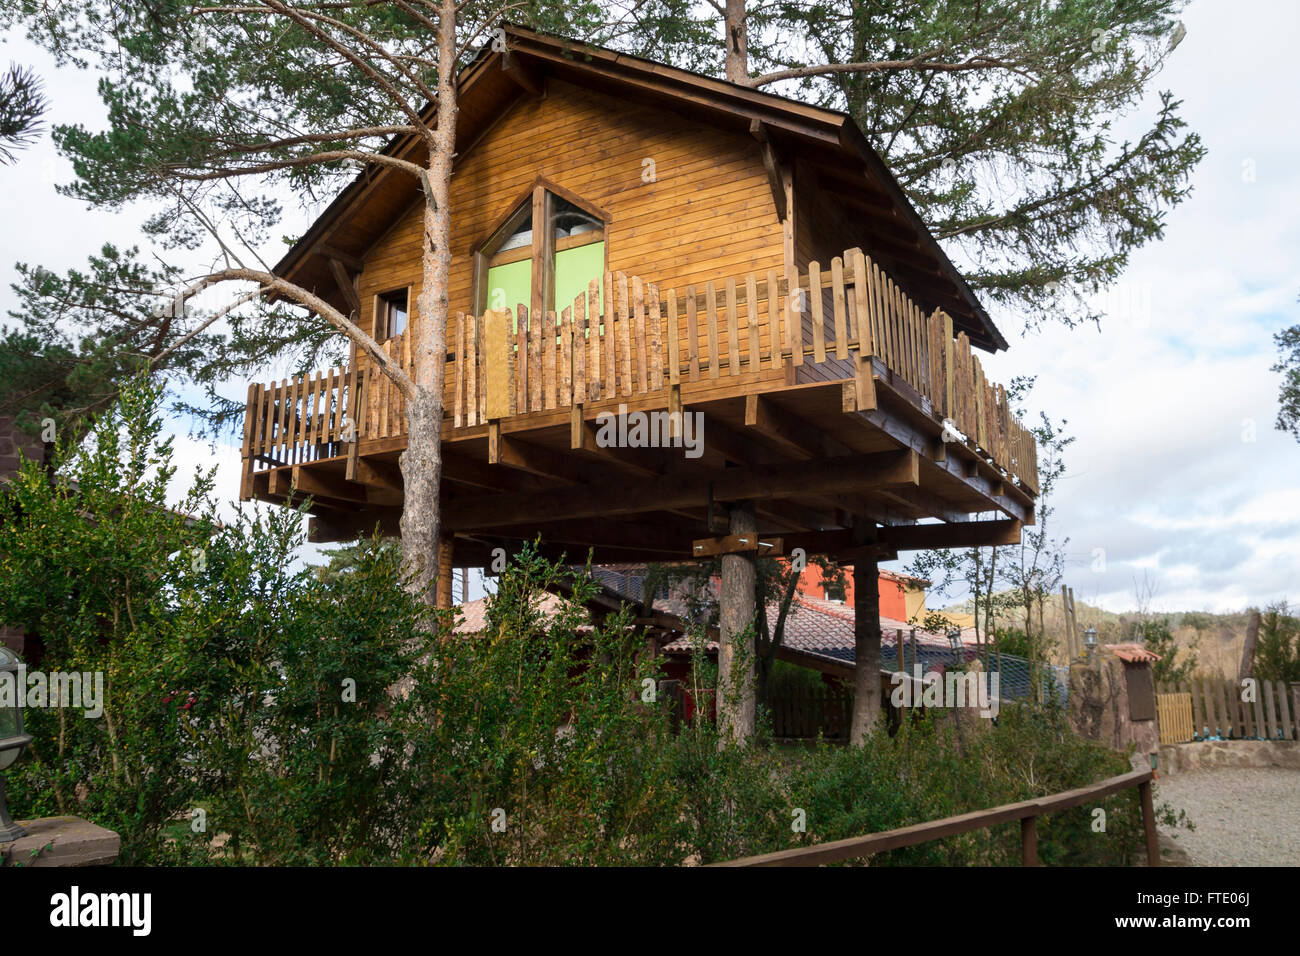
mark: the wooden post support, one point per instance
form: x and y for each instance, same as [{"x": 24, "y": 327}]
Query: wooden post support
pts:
[
  {"x": 736, "y": 673},
  {"x": 866, "y": 646},
  {"x": 864, "y": 385},
  {"x": 1149, "y": 823},
  {"x": 1029, "y": 841},
  {"x": 445, "y": 566},
  {"x": 737, "y": 544},
  {"x": 577, "y": 426}
]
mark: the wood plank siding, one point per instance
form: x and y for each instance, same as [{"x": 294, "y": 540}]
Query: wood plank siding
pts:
[{"x": 708, "y": 211}]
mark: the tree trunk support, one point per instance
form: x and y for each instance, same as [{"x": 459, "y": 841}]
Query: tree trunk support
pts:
[
  {"x": 446, "y": 555},
  {"x": 736, "y": 673},
  {"x": 866, "y": 645}
]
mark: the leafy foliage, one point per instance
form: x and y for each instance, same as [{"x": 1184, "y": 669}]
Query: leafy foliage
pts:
[
  {"x": 257, "y": 712},
  {"x": 22, "y": 104},
  {"x": 1277, "y": 651},
  {"x": 1177, "y": 663},
  {"x": 997, "y": 117},
  {"x": 1288, "y": 364}
]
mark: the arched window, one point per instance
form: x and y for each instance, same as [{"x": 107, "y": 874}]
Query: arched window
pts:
[{"x": 542, "y": 268}]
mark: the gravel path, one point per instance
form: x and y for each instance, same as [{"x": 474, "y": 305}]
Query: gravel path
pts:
[{"x": 1243, "y": 817}]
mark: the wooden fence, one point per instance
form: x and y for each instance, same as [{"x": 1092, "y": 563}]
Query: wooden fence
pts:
[
  {"x": 1226, "y": 709},
  {"x": 806, "y": 712},
  {"x": 300, "y": 420},
  {"x": 1174, "y": 718},
  {"x": 1027, "y": 812}
]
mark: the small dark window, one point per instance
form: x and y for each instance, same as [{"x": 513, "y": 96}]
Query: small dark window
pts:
[
  {"x": 391, "y": 309},
  {"x": 835, "y": 591}
]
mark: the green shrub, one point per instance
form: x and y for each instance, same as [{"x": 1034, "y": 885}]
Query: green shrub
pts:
[
  {"x": 1277, "y": 653},
  {"x": 313, "y": 719}
]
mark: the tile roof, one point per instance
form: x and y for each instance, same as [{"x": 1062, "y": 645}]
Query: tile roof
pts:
[
  {"x": 1132, "y": 653},
  {"x": 474, "y": 613},
  {"x": 825, "y": 629},
  {"x": 814, "y": 626}
]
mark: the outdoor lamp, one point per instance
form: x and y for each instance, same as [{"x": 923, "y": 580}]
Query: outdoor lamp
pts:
[
  {"x": 1090, "y": 639},
  {"x": 954, "y": 638},
  {"x": 12, "y": 738}
]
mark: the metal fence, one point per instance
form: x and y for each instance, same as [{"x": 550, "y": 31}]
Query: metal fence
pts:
[{"x": 1022, "y": 679}]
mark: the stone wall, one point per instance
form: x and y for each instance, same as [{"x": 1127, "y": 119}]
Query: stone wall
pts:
[
  {"x": 1099, "y": 706},
  {"x": 1210, "y": 754}
]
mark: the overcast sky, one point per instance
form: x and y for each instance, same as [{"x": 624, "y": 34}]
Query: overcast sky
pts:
[{"x": 1177, "y": 472}]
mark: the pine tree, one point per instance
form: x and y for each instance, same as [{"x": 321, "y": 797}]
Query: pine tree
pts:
[
  {"x": 998, "y": 118},
  {"x": 215, "y": 112}
]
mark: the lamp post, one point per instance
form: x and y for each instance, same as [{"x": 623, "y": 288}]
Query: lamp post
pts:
[
  {"x": 1090, "y": 641},
  {"x": 12, "y": 738}
]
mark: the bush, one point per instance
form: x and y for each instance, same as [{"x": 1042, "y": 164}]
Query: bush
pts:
[
  {"x": 258, "y": 712},
  {"x": 1277, "y": 652}
]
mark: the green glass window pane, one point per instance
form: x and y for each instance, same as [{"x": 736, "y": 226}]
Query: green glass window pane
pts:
[
  {"x": 574, "y": 268},
  {"x": 510, "y": 286}
]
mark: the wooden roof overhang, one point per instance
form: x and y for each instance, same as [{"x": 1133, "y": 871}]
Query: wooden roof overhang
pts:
[{"x": 825, "y": 141}]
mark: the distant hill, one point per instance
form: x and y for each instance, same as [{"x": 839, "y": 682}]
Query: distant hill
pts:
[{"x": 1217, "y": 638}]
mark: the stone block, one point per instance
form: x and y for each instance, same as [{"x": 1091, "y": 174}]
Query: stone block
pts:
[{"x": 61, "y": 841}]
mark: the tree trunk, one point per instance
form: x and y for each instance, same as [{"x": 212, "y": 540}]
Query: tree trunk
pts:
[
  {"x": 736, "y": 676},
  {"x": 866, "y": 647},
  {"x": 737, "y": 42},
  {"x": 1248, "y": 648},
  {"x": 422, "y": 460},
  {"x": 446, "y": 556}
]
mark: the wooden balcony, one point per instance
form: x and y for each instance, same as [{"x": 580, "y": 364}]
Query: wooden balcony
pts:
[{"x": 834, "y": 364}]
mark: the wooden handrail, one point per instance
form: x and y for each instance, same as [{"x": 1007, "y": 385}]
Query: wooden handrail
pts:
[
  {"x": 1027, "y": 811},
  {"x": 624, "y": 337}
]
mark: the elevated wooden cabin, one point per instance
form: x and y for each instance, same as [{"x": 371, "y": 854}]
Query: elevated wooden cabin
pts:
[{"x": 630, "y": 235}]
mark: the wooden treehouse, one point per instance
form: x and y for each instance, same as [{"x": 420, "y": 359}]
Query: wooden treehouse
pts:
[{"x": 629, "y": 237}]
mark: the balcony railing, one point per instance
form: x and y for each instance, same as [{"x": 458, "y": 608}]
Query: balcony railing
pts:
[{"x": 629, "y": 339}]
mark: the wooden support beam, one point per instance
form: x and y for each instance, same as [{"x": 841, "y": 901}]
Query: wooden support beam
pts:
[
  {"x": 772, "y": 164},
  {"x": 730, "y": 444},
  {"x": 737, "y": 544},
  {"x": 346, "y": 284},
  {"x": 473, "y": 471},
  {"x": 784, "y": 480},
  {"x": 346, "y": 527},
  {"x": 313, "y": 482},
  {"x": 528, "y": 79},
  {"x": 645, "y": 461},
  {"x": 545, "y": 462},
  {"x": 355, "y": 263},
  {"x": 915, "y": 537},
  {"x": 378, "y": 474},
  {"x": 667, "y": 535},
  {"x": 787, "y": 430}
]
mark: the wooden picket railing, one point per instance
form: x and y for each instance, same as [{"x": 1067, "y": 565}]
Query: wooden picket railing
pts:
[
  {"x": 631, "y": 339},
  {"x": 626, "y": 337},
  {"x": 1027, "y": 812},
  {"x": 1219, "y": 709},
  {"x": 299, "y": 420}
]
